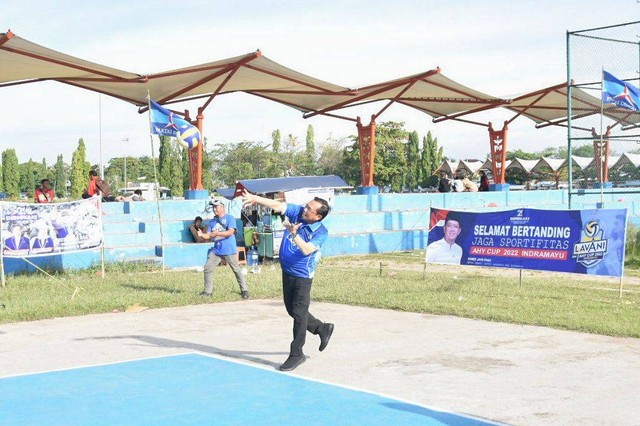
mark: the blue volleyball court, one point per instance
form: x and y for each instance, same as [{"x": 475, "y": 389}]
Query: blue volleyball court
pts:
[{"x": 193, "y": 389}]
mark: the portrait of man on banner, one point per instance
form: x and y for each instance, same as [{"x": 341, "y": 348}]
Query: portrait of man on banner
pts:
[{"x": 446, "y": 250}]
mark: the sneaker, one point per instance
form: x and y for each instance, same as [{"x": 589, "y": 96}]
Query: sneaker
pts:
[
  {"x": 292, "y": 362},
  {"x": 204, "y": 293},
  {"x": 245, "y": 294},
  {"x": 325, "y": 335}
]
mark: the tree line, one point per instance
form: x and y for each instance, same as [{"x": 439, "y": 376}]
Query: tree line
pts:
[{"x": 400, "y": 161}]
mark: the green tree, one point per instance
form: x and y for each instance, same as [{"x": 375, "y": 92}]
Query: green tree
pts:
[
  {"x": 60, "y": 178},
  {"x": 11, "y": 173},
  {"x": 431, "y": 158},
  {"x": 186, "y": 172},
  {"x": 233, "y": 162},
  {"x": 275, "y": 138},
  {"x": 414, "y": 171},
  {"x": 30, "y": 175},
  {"x": 390, "y": 164},
  {"x": 309, "y": 166},
  {"x": 207, "y": 168},
  {"x": 331, "y": 155},
  {"x": 80, "y": 168},
  {"x": 170, "y": 165}
]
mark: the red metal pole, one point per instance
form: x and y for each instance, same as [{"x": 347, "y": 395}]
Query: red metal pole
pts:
[
  {"x": 498, "y": 143},
  {"x": 367, "y": 145}
]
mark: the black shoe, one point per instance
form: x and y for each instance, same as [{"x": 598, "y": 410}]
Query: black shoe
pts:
[
  {"x": 204, "y": 293},
  {"x": 292, "y": 362},
  {"x": 325, "y": 335},
  {"x": 245, "y": 294}
]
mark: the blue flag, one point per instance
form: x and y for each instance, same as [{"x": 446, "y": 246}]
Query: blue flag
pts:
[
  {"x": 167, "y": 123},
  {"x": 619, "y": 92}
]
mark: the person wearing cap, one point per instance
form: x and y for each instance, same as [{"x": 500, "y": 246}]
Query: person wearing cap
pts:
[
  {"x": 222, "y": 230},
  {"x": 299, "y": 255},
  {"x": 445, "y": 250}
]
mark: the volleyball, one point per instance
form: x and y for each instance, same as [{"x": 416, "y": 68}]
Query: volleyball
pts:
[
  {"x": 591, "y": 229},
  {"x": 188, "y": 136}
]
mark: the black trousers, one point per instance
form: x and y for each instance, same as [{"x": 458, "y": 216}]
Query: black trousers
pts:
[{"x": 296, "y": 293}]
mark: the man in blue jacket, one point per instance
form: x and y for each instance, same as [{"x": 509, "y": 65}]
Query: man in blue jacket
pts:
[
  {"x": 299, "y": 254},
  {"x": 222, "y": 230}
]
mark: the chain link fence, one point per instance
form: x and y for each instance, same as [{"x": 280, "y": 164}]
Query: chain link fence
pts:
[{"x": 613, "y": 178}]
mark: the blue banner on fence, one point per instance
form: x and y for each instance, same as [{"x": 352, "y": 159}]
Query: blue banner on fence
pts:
[{"x": 581, "y": 241}]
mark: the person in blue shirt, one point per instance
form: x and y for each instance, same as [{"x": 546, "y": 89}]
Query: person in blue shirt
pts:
[
  {"x": 299, "y": 255},
  {"x": 222, "y": 230}
]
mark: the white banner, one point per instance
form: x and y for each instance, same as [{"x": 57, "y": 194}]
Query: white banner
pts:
[{"x": 44, "y": 229}]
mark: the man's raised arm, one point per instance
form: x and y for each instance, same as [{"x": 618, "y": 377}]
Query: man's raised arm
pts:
[{"x": 249, "y": 199}]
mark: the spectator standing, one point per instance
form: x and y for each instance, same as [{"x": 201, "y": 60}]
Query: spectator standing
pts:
[
  {"x": 468, "y": 184},
  {"x": 484, "y": 181},
  {"x": 222, "y": 230},
  {"x": 44, "y": 193},
  {"x": 444, "y": 184},
  {"x": 457, "y": 185}
]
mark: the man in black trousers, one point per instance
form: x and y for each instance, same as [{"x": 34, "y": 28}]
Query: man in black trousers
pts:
[{"x": 299, "y": 254}]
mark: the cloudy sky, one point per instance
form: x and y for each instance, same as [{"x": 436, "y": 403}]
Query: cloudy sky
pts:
[{"x": 500, "y": 47}]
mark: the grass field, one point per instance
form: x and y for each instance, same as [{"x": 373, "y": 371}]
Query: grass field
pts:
[{"x": 397, "y": 281}]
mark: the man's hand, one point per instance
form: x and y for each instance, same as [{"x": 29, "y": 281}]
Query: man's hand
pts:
[
  {"x": 248, "y": 199},
  {"x": 291, "y": 227}
]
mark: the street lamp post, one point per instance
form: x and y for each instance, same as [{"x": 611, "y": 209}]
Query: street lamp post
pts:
[{"x": 124, "y": 156}]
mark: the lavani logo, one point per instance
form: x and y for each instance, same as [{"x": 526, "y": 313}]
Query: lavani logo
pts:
[
  {"x": 519, "y": 217},
  {"x": 592, "y": 246}
]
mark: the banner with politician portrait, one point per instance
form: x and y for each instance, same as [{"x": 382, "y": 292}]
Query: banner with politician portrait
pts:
[
  {"x": 580, "y": 241},
  {"x": 45, "y": 229}
]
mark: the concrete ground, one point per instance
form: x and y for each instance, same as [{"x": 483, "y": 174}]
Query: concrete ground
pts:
[{"x": 514, "y": 374}]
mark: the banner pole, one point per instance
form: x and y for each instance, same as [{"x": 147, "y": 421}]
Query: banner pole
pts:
[
  {"x": 600, "y": 159},
  {"x": 520, "y": 277},
  {"x": 157, "y": 184},
  {"x": 620, "y": 287},
  {"x": 102, "y": 248},
  {"x": 2, "y": 248}
]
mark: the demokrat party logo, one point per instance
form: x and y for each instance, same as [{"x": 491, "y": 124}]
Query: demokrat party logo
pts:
[{"x": 592, "y": 246}]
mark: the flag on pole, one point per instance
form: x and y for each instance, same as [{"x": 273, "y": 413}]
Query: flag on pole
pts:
[
  {"x": 619, "y": 92},
  {"x": 167, "y": 123}
]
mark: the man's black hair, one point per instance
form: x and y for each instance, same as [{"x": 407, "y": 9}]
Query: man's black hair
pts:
[
  {"x": 93, "y": 173},
  {"x": 44, "y": 180},
  {"x": 324, "y": 208},
  {"x": 453, "y": 216},
  {"x": 198, "y": 218}
]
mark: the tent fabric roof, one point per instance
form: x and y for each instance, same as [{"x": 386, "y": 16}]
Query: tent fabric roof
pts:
[
  {"x": 430, "y": 92},
  {"x": 582, "y": 162},
  {"x": 447, "y": 166},
  {"x": 526, "y": 166},
  {"x": 555, "y": 164},
  {"x": 627, "y": 158},
  {"x": 471, "y": 166},
  {"x": 271, "y": 185},
  {"x": 24, "y": 62},
  {"x": 549, "y": 106}
]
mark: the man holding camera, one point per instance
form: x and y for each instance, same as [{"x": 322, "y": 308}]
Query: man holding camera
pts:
[{"x": 222, "y": 230}]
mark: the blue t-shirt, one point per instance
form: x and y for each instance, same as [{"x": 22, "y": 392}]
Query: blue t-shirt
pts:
[
  {"x": 293, "y": 261},
  {"x": 223, "y": 246}
]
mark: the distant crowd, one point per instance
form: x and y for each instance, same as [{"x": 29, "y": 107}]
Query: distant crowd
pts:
[
  {"x": 96, "y": 187},
  {"x": 461, "y": 183}
]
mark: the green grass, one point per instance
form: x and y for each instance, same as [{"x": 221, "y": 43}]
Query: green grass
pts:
[{"x": 565, "y": 301}]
